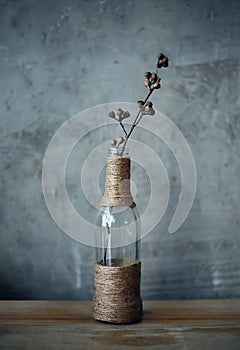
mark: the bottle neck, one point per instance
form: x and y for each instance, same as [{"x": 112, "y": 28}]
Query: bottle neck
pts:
[{"x": 117, "y": 185}]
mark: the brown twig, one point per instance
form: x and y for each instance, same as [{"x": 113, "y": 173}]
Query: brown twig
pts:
[
  {"x": 123, "y": 127},
  {"x": 136, "y": 120},
  {"x": 152, "y": 82}
]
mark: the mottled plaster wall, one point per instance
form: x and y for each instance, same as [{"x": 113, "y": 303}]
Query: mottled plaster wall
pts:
[{"x": 60, "y": 57}]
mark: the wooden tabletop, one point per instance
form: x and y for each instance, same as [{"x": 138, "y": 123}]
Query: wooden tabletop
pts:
[{"x": 175, "y": 325}]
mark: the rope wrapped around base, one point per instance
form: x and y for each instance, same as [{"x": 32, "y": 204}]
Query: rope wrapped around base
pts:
[{"x": 117, "y": 293}]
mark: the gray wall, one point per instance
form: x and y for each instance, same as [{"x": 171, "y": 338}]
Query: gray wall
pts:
[{"x": 60, "y": 57}]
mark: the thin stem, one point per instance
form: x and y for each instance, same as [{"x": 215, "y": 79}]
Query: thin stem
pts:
[
  {"x": 139, "y": 119},
  {"x": 136, "y": 120},
  {"x": 105, "y": 249},
  {"x": 140, "y": 113},
  {"x": 123, "y": 127}
]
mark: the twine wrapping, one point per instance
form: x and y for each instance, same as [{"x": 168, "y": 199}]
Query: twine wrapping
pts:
[
  {"x": 117, "y": 186},
  {"x": 117, "y": 293}
]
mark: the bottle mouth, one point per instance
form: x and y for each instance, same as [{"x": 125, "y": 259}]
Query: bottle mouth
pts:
[{"x": 118, "y": 152}]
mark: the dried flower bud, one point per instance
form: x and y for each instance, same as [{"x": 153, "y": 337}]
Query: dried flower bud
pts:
[
  {"x": 140, "y": 104},
  {"x": 154, "y": 77},
  {"x": 120, "y": 140},
  {"x": 157, "y": 85},
  {"x": 146, "y": 83},
  {"x": 164, "y": 62},
  {"x": 126, "y": 114},
  {"x": 118, "y": 118},
  {"x": 146, "y": 109},
  {"x": 160, "y": 56},
  {"x": 113, "y": 143},
  {"x": 149, "y": 104},
  {"x": 111, "y": 114},
  {"x": 119, "y": 112},
  {"x": 151, "y": 111},
  {"x": 147, "y": 75}
]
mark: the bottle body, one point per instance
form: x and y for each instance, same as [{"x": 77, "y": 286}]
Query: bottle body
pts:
[{"x": 119, "y": 234}]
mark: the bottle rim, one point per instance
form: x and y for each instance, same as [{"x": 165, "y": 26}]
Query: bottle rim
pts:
[{"x": 113, "y": 151}]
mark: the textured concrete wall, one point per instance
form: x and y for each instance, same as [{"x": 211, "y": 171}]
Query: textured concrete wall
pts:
[{"x": 60, "y": 57}]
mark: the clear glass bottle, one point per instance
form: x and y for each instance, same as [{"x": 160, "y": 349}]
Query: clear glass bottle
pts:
[
  {"x": 117, "y": 271},
  {"x": 119, "y": 225}
]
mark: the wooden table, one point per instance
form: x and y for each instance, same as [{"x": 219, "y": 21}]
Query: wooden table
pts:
[{"x": 175, "y": 325}]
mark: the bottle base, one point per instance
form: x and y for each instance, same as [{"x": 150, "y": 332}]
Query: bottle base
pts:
[{"x": 117, "y": 294}]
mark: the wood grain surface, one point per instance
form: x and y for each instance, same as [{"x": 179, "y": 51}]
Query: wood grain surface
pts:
[{"x": 175, "y": 325}]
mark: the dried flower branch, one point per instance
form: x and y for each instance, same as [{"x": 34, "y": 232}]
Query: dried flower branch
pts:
[{"x": 152, "y": 83}]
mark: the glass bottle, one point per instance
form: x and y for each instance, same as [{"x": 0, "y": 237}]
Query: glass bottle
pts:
[
  {"x": 117, "y": 270},
  {"x": 118, "y": 241}
]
